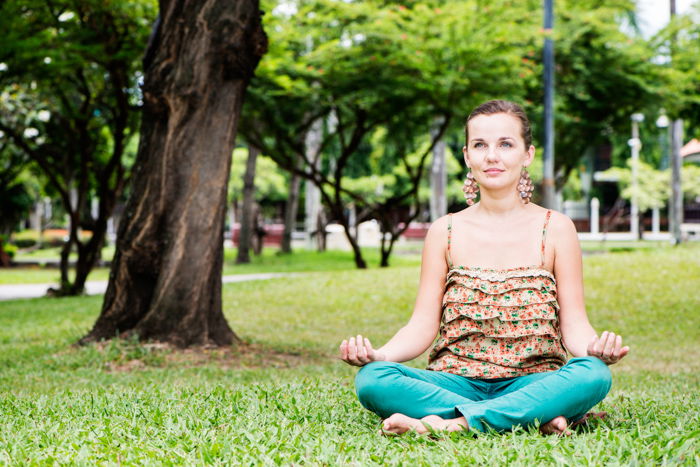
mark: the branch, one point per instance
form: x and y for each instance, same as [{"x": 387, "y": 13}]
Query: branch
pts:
[
  {"x": 415, "y": 179},
  {"x": 41, "y": 160}
]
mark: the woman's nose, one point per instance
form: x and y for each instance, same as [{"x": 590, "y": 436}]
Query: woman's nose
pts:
[{"x": 491, "y": 154}]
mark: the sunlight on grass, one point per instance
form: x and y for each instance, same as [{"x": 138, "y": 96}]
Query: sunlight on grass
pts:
[{"x": 132, "y": 404}]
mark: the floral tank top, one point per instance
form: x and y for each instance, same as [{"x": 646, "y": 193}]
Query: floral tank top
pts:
[{"x": 498, "y": 323}]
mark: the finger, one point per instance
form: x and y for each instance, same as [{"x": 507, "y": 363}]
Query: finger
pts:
[
  {"x": 591, "y": 345},
  {"x": 352, "y": 350},
  {"x": 600, "y": 346},
  {"x": 624, "y": 351},
  {"x": 344, "y": 350},
  {"x": 370, "y": 351},
  {"x": 361, "y": 351},
  {"x": 609, "y": 345},
  {"x": 617, "y": 347}
]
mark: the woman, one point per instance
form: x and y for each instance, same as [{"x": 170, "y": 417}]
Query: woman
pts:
[{"x": 501, "y": 286}]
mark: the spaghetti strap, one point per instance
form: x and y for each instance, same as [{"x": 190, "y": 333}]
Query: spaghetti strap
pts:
[
  {"x": 544, "y": 236},
  {"x": 449, "y": 240}
]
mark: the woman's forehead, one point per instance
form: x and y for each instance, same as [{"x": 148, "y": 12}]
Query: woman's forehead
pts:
[{"x": 500, "y": 125}]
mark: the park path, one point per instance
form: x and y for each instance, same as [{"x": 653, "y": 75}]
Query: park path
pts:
[{"x": 15, "y": 291}]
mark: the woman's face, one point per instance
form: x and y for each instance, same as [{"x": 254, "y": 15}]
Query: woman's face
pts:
[{"x": 496, "y": 151}]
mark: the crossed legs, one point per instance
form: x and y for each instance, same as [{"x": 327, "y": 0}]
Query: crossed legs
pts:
[{"x": 409, "y": 398}]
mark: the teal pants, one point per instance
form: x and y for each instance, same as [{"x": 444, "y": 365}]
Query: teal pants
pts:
[{"x": 387, "y": 388}]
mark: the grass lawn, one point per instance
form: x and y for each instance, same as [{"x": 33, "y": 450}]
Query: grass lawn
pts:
[
  {"x": 268, "y": 261},
  {"x": 271, "y": 261},
  {"x": 287, "y": 400}
]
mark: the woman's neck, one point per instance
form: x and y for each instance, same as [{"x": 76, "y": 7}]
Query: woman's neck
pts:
[{"x": 500, "y": 204}]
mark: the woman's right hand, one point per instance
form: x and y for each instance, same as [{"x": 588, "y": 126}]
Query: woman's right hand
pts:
[{"x": 358, "y": 351}]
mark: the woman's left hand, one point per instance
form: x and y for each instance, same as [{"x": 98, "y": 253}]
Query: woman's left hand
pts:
[{"x": 608, "y": 348}]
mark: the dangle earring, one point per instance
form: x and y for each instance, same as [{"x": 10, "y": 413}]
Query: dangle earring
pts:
[
  {"x": 470, "y": 188},
  {"x": 525, "y": 187}
]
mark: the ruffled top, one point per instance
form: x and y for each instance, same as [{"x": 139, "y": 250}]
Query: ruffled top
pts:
[{"x": 499, "y": 323}]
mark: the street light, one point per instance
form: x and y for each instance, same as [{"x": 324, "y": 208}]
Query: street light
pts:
[
  {"x": 662, "y": 123},
  {"x": 635, "y": 145}
]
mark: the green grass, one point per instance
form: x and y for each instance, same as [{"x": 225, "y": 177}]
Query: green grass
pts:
[
  {"x": 123, "y": 403},
  {"x": 614, "y": 246},
  {"x": 269, "y": 261},
  {"x": 43, "y": 275},
  {"x": 54, "y": 254}
]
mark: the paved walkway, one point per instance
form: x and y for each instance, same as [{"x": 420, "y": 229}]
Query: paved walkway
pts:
[{"x": 11, "y": 292}]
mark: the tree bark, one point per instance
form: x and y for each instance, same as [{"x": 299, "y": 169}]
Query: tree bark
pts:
[
  {"x": 247, "y": 216},
  {"x": 5, "y": 260},
  {"x": 165, "y": 282},
  {"x": 258, "y": 230},
  {"x": 320, "y": 231},
  {"x": 290, "y": 212},
  {"x": 438, "y": 177}
]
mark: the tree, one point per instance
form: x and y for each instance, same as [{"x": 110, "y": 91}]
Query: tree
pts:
[
  {"x": 15, "y": 195},
  {"x": 603, "y": 75},
  {"x": 165, "y": 282},
  {"x": 652, "y": 189},
  {"x": 69, "y": 104},
  {"x": 267, "y": 187},
  {"x": 370, "y": 66},
  {"x": 248, "y": 215},
  {"x": 681, "y": 40}
]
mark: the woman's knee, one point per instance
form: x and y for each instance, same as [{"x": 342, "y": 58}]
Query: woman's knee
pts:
[
  {"x": 371, "y": 381},
  {"x": 594, "y": 374}
]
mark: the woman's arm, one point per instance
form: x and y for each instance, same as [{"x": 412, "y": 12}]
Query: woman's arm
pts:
[
  {"x": 416, "y": 336},
  {"x": 579, "y": 337}
]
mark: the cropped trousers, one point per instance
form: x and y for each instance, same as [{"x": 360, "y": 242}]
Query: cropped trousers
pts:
[{"x": 500, "y": 404}]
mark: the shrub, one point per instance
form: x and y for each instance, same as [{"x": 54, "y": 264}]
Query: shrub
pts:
[
  {"x": 26, "y": 238},
  {"x": 54, "y": 237},
  {"x": 49, "y": 238},
  {"x": 10, "y": 249}
]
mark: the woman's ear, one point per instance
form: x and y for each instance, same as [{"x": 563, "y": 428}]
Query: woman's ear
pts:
[
  {"x": 529, "y": 156},
  {"x": 466, "y": 156}
]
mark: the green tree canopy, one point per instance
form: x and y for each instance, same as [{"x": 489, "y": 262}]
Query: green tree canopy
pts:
[{"x": 70, "y": 97}]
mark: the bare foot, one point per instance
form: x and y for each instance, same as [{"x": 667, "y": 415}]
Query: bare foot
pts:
[
  {"x": 556, "y": 426},
  {"x": 583, "y": 421},
  {"x": 399, "y": 423}
]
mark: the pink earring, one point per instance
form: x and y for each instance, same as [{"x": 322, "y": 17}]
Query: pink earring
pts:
[
  {"x": 525, "y": 187},
  {"x": 470, "y": 188}
]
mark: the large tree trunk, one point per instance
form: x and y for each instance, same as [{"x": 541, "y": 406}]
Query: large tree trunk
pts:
[
  {"x": 290, "y": 212},
  {"x": 248, "y": 212},
  {"x": 5, "y": 260},
  {"x": 438, "y": 176},
  {"x": 165, "y": 282},
  {"x": 320, "y": 231},
  {"x": 258, "y": 240}
]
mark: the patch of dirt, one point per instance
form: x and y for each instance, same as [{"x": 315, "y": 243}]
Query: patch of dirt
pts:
[
  {"x": 135, "y": 357},
  {"x": 244, "y": 355}
]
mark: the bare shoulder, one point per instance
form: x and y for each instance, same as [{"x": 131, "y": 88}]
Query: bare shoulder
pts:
[
  {"x": 562, "y": 233},
  {"x": 438, "y": 229},
  {"x": 561, "y": 224}
]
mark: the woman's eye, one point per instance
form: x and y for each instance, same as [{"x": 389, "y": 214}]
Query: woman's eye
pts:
[
  {"x": 479, "y": 145},
  {"x": 506, "y": 144}
]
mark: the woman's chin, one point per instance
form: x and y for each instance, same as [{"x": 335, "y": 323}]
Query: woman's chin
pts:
[{"x": 497, "y": 186}]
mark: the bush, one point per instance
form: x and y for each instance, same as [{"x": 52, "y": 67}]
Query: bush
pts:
[
  {"x": 26, "y": 239},
  {"x": 10, "y": 249},
  {"x": 54, "y": 237},
  {"x": 30, "y": 238}
]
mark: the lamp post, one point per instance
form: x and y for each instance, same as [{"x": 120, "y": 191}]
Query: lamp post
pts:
[
  {"x": 662, "y": 122},
  {"x": 548, "y": 160},
  {"x": 635, "y": 145}
]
